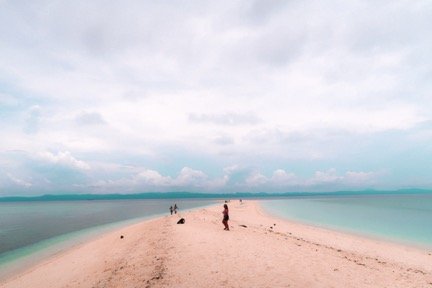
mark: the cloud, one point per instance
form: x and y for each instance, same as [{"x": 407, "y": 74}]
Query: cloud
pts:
[
  {"x": 256, "y": 179},
  {"x": 283, "y": 181},
  {"x": 229, "y": 119},
  {"x": 19, "y": 182},
  {"x": 349, "y": 179},
  {"x": 236, "y": 175},
  {"x": 234, "y": 178},
  {"x": 153, "y": 178},
  {"x": 90, "y": 118},
  {"x": 190, "y": 177},
  {"x": 32, "y": 120},
  {"x": 281, "y": 177},
  {"x": 223, "y": 140},
  {"x": 360, "y": 178},
  {"x": 323, "y": 177},
  {"x": 8, "y": 100},
  {"x": 263, "y": 85},
  {"x": 260, "y": 11},
  {"x": 63, "y": 158}
]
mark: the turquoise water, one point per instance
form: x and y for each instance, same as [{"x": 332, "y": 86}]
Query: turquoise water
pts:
[
  {"x": 30, "y": 231},
  {"x": 400, "y": 218}
]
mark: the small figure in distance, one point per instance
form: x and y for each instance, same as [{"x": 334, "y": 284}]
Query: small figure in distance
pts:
[
  {"x": 225, "y": 213},
  {"x": 171, "y": 209},
  {"x": 175, "y": 208}
]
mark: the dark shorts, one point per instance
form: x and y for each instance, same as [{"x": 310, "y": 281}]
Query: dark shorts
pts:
[{"x": 226, "y": 218}]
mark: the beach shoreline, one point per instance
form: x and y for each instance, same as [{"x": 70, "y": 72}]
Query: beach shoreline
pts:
[
  {"x": 18, "y": 260},
  {"x": 353, "y": 233},
  {"x": 32, "y": 255},
  {"x": 261, "y": 250}
]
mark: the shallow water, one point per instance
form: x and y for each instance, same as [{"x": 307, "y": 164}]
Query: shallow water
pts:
[
  {"x": 400, "y": 218},
  {"x": 28, "y": 228}
]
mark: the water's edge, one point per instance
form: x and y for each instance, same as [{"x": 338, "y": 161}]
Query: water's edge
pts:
[
  {"x": 17, "y": 261},
  {"x": 345, "y": 230}
]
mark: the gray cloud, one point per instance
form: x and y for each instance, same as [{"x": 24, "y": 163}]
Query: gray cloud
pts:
[
  {"x": 260, "y": 11},
  {"x": 383, "y": 26},
  {"x": 90, "y": 118},
  {"x": 223, "y": 140},
  {"x": 281, "y": 46}
]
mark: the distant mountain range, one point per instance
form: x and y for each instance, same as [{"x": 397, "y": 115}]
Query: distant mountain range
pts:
[{"x": 190, "y": 195}]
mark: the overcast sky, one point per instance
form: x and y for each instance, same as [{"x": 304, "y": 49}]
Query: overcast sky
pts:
[{"x": 214, "y": 96}]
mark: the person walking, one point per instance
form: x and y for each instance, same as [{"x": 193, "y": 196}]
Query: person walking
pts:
[
  {"x": 225, "y": 213},
  {"x": 171, "y": 209}
]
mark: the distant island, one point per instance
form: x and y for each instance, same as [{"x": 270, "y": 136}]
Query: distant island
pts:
[{"x": 194, "y": 195}]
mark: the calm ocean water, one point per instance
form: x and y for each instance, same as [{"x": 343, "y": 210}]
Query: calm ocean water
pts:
[
  {"x": 400, "y": 218},
  {"x": 29, "y": 227}
]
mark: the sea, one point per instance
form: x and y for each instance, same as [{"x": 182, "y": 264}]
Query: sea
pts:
[
  {"x": 34, "y": 230},
  {"x": 404, "y": 218}
]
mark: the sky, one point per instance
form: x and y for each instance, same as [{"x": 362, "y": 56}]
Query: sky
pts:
[{"x": 214, "y": 96}]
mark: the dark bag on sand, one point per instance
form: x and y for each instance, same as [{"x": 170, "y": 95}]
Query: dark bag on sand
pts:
[{"x": 181, "y": 221}]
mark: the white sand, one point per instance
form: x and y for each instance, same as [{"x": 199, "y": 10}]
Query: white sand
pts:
[{"x": 160, "y": 253}]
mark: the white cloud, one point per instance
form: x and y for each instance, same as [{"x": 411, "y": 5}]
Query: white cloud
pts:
[
  {"x": 190, "y": 177},
  {"x": 360, "y": 178},
  {"x": 19, "y": 182},
  {"x": 256, "y": 179},
  {"x": 63, "y": 158},
  {"x": 241, "y": 178},
  {"x": 282, "y": 178},
  {"x": 153, "y": 178},
  {"x": 232, "y": 169},
  {"x": 325, "y": 177},
  {"x": 349, "y": 179}
]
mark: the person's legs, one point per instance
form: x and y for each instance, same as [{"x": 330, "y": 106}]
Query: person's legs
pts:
[{"x": 225, "y": 224}]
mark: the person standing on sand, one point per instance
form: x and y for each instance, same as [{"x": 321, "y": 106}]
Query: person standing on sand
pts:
[
  {"x": 225, "y": 213},
  {"x": 171, "y": 209},
  {"x": 175, "y": 208}
]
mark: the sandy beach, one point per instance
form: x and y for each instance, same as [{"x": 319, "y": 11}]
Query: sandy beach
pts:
[{"x": 258, "y": 251}]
